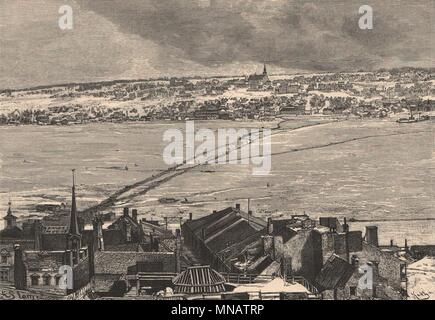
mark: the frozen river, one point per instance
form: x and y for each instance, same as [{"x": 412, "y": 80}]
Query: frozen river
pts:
[{"x": 364, "y": 170}]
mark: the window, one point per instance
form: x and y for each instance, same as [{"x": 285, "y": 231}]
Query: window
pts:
[
  {"x": 352, "y": 291},
  {"x": 34, "y": 280},
  {"x": 128, "y": 233},
  {"x": 4, "y": 259},
  {"x": 47, "y": 279},
  {"x": 4, "y": 275},
  {"x": 58, "y": 280}
]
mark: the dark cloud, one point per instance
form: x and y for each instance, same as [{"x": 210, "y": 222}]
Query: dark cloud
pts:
[
  {"x": 115, "y": 39},
  {"x": 296, "y": 34}
]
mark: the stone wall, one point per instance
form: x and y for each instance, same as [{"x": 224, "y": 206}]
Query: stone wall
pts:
[{"x": 304, "y": 252}]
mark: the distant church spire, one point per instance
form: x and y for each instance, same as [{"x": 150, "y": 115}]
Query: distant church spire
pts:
[
  {"x": 74, "y": 237},
  {"x": 74, "y": 225},
  {"x": 9, "y": 207},
  {"x": 11, "y": 220},
  {"x": 264, "y": 70}
]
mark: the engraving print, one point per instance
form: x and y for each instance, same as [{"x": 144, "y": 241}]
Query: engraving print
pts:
[{"x": 217, "y": 150}]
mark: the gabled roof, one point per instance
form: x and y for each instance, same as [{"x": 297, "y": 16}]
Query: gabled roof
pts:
[
  {"x": 273, "y": 269},
  {"x": 197, "y": 224},
  {"x": 201, "y": 279},
  {"x": 43, "y": 260},
  {"x": 257, "y": 77},
  {"x": 148, "y": 227},
  {"x": 226, "y": 227},
  {"x": 335, "y": 273},
  {"x": 124, "y": 219},
  {"x": 260, "y": 264},
  {"x": 11, "y": 233},
  {"x": 216, "y": 219},
  {"x": 229, "y": 235}
]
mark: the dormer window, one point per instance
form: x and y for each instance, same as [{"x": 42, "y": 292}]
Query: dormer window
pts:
[
  {"x": 34, "y": 278},
  {"x": 128, "y": 233},
  {"x": 47, "y": 279},
  {"x": 57, "y": 279},
  {"x": 4, "y": 254},
  {"x": 4, "y": 275}
]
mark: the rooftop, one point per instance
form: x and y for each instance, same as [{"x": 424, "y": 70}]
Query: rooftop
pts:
[
  {"x": 226, "y": 227},
  {"x": 421, "y": 279},
  {"x": 44, "y": 261},
  {"x": 119, "y": 262},
  {"x": 335, "y": 273},
  {"x": 201, "y": 279},
  {"x": 276, "y": 285}
]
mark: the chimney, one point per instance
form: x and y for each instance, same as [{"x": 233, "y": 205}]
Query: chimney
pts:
[
  {"x": 268, "y": 246},
  {"x": 214, "y": 211},
  {"x": 69, "y": 258},
  {"x": 375, "y": 266},
  {"x": 391, "y": 243},
  {"x": 249, "y": 216},
  {"x": 151, "y": 241},
  {"x": 406, "y": 245},
  {"x": 156, "y": 244},
  {"x": 372, "y": 235},
  {"x": 20, "y": 274},
  {"x": 126, "y": 212},
  {"x": 98, "y": 234},
  {"x": 345, "y": 226},
  {"x": 91, "y": 260},
  {"x": 190, "y": 216},
  {"x": 355, "y": 261},
  {"x": 134, "y": 215},
  {"x": 38, "y": 231},
  {"x": 269, "y": 226},
  {"x": 177, "y": 256},
  {"x": 178, "y": 251},
  {"x": 166, "y": 222},
  {"x": 81, "y": 223},
  {"x": 238, "y": 206}
]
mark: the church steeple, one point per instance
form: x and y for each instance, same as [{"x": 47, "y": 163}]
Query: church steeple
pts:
[
  {"x": 11, "y": 220},
  {"x": 9, "y": 208},
  {"x": 74, "y": 238},
  {"x": 74, "y": 225},
  {"x": 265, "y": 70}
]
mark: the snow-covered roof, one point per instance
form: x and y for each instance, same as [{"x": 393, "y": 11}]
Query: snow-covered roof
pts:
[
  {"x": 421, "y": 279},
  {"x": 277, "y": 285}
]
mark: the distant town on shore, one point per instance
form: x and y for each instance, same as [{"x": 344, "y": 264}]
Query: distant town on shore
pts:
[{"x": 380, "y": 94}]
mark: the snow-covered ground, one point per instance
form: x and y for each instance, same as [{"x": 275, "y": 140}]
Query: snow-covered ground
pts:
[{"x": 421, "y": 279}]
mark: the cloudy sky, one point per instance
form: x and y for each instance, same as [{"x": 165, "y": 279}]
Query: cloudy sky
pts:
[{"x": 131, "y": 39}]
